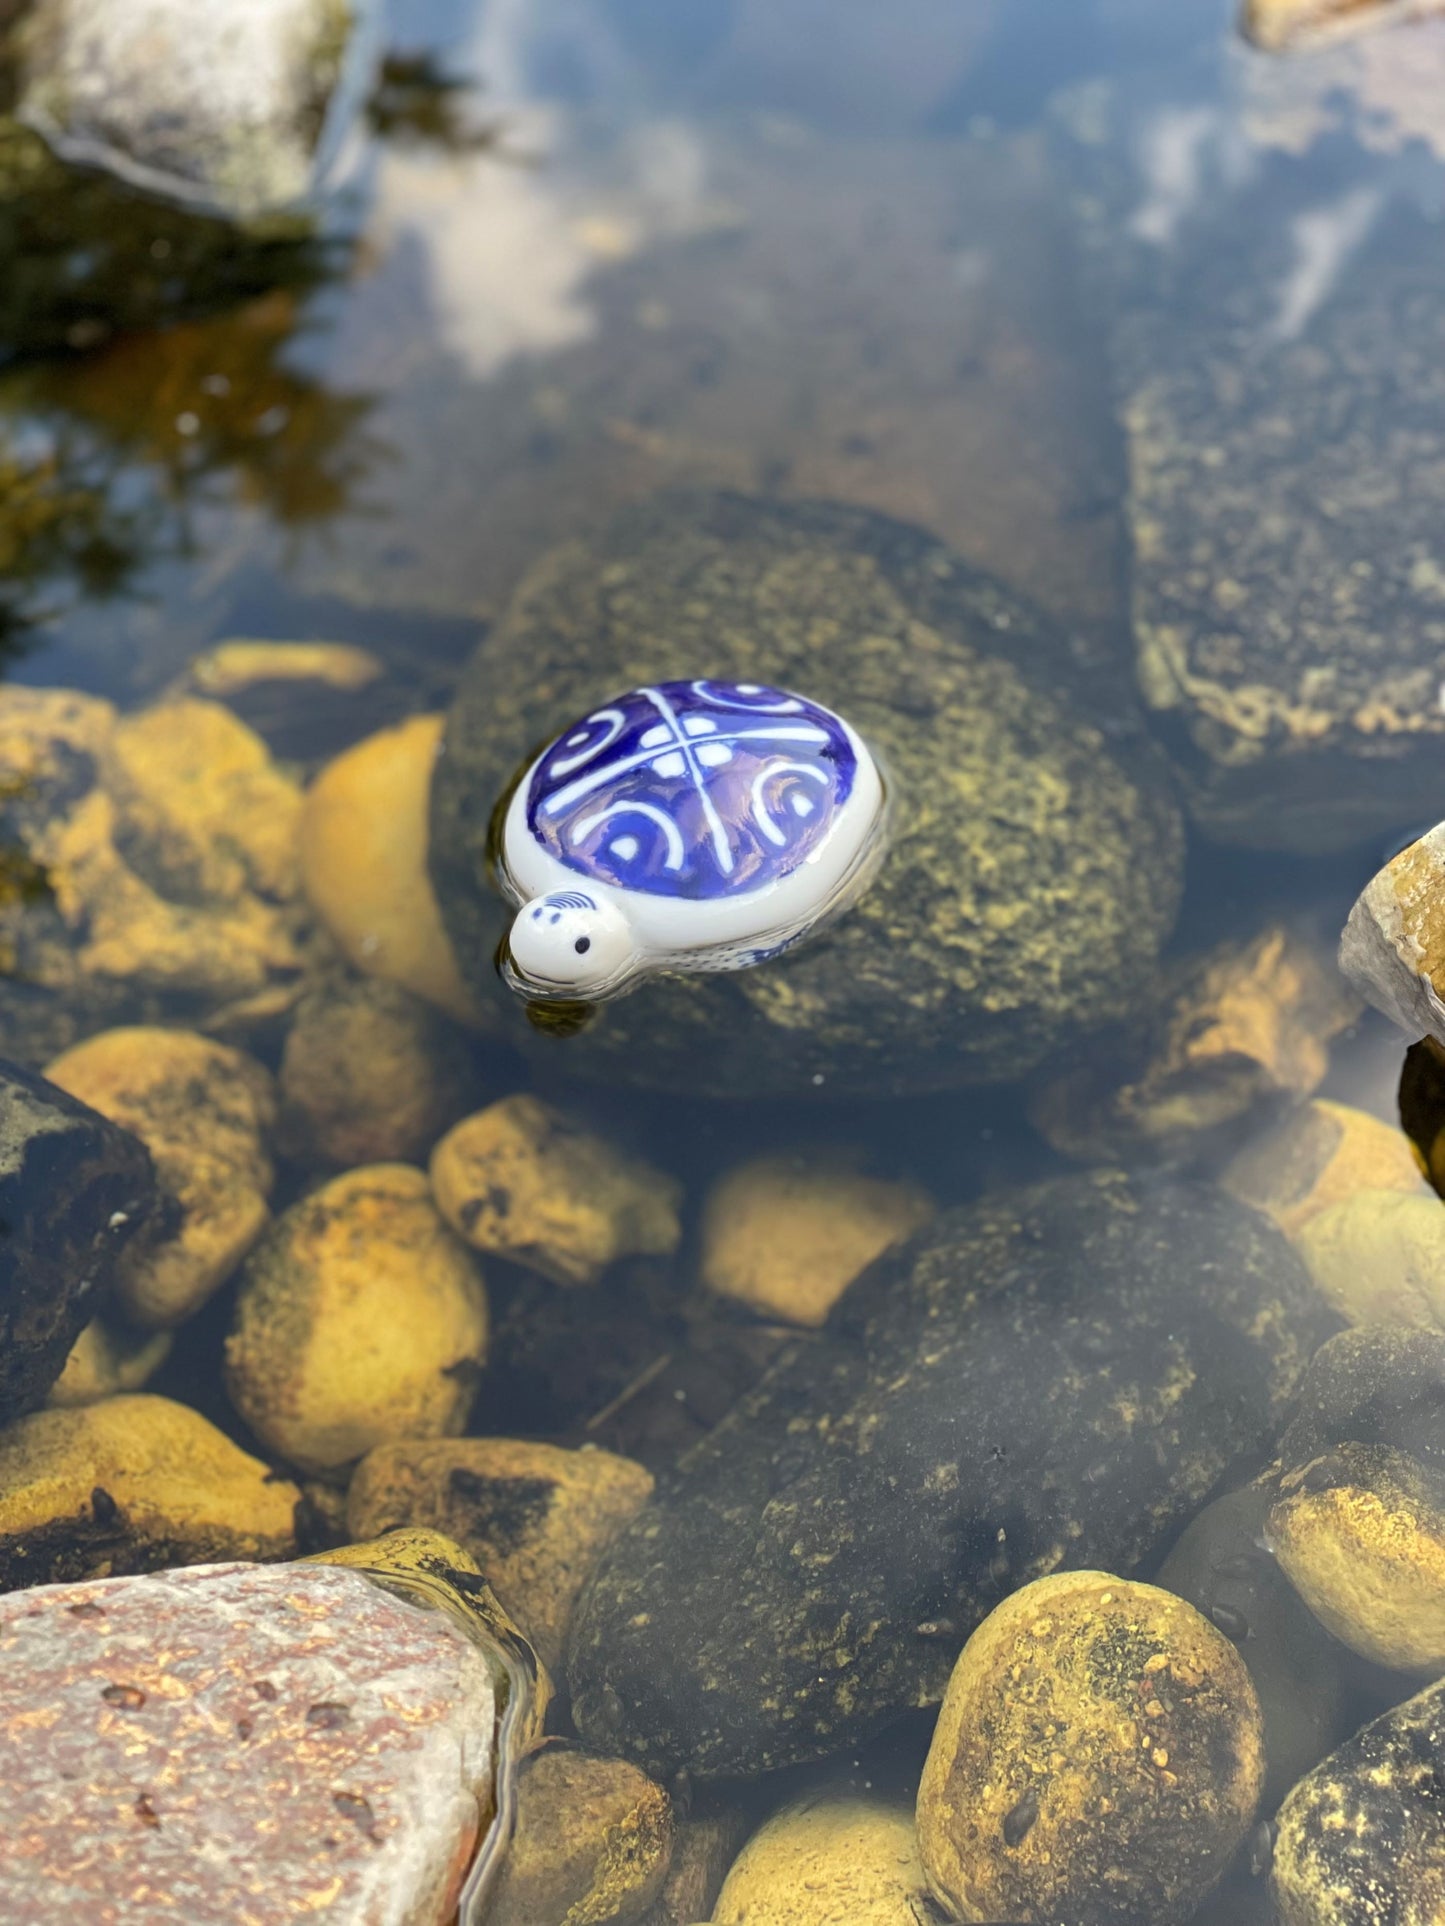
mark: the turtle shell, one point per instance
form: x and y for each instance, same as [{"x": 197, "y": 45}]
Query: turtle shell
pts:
[{"x": 696, "y": 790}]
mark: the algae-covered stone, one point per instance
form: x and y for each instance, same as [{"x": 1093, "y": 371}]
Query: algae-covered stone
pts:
[
  {"x": 1317, "y": 1156},
  {"x": 75, "y": 1191},
  {"x": 525, "y": 1181},
  {"x": 1376, "y": 1385},
  {"x": 704, "y": 1845},
  {"x": 132, "y": 1484},
  {"x": 1393, "y": 946},
  {"x": 786, "y": 1236},
  {"x": 359, "y": 1318},
  {"x": 1222, "y": 1567},
  {"x": 592, "y": 1842},
  {"x": 108, "y": 1358},
  {"x": 825, "y": 1860},
  {"x": 1034, "y": 865},
  {"x": 1246, "y": 1025},
  {"x": 1359, "y": 1842},
  {"x": 1360, "y": 1532},
  {"x": 535, "y": 1517},
  {"x": 364, "y": 863},
  {"x": 370, "y": 1074},
  {"x": 203, "y": 1110},
  {"x": 1099, "y": 1756},
  {"x": 1059, "y": 1375},
  {"x": 1378, "y": 1257}
]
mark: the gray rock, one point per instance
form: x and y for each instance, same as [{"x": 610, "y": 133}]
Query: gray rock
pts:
[
  {"x": 1054, "y": 1377},
  {"x": 268, "y": 1743},
  {"x": 74, "y": 1190},
  {"x": 1360, "y": 1841},
  {"x": 1035, "y": 866}
]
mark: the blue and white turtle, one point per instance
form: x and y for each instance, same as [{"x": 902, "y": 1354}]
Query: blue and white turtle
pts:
[{"x": 684, "y": 826}]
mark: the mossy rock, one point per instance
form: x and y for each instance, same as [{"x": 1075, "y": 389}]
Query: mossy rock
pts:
[{"x": 1035, "y": 865}]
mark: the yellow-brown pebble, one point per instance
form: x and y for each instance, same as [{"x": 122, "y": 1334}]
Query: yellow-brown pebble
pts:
[
  {"x": 132, "y": 1484},
  {"x": 787, "y": 1235},
  {"x": 203, "y": 1110},
  {"x": 535, "y": 1517},
  {"x": 524, "y": 1181},
  {"x": 231, "y": 668},
  {"x": 1319, "y": 1155},
  {"x": 370, "y": 1074},
  {"x": 1360, "y": 1533},
  {"x": 1097, "y": 1737},
  {"x": 359, "y": 1319},
  {"x": 1378, "y": 1256},
  {"x": 363, "y": 863},
  {"x": 826, "y": 1861},
  {"x": 592, "y": 1843},
  {"x": 108, "y": 1358}
]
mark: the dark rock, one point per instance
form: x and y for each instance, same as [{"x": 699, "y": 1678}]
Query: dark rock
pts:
[
  {"x": 1221, "y": 1566},
  {"x": 1375, "y": 1386},
  {"x": 1034, "y": 871},
  {"x": 1359, "y": 1840},
  {"x": 74, "y": 1190},
  {"x": 1056, "y": 1377}
]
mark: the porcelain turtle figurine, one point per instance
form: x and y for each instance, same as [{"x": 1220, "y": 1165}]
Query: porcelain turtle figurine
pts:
[{"x": 684, "y": 826}]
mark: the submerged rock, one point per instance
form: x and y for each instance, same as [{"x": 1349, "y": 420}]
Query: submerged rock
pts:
[
  {"x": 1359, "y": 1840},
  {"x": 129, "y": 1485},
  {"x": 239, "y": 1742},
  {"x": 1393, "y": 946},
  {"x": 825, "y": 1860},
  {"x": 359, "y": 1318},
  {"x": 1378, "y": 1257},
  {"x": 1034, "y": 866},
  {"x": 1320, "y": 1155},
  {"x": 1098, "y": 1757},
  {"x": 74, "y": 1192},
  {"x": 109, "y": 1357},
  {"x": 1055, "y": 1376}
]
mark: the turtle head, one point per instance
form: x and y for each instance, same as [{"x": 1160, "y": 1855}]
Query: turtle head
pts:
[{"x": 569, "y": 944}]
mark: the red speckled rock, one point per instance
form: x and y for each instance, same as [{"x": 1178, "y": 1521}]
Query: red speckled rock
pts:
[{"x": 237, "y": 1745}]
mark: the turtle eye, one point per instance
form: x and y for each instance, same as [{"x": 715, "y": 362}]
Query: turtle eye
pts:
[{"x": 582, "y": 945}]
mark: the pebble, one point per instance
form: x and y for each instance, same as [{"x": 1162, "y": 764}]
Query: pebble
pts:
[
  {"x": 786, "y": 1235},
  {"x": 109, "y": 1357},
  {"x": 233, "y": 667},
  {"x": 131, "y": 1484},
  {"x": 831, "y": 1860},
  {"x": 1319, "y": 1155},
  {"x": 364, "y": 864},
  {"x": 204, "y": 1111},
  {"x": 359, "y": 1318},
  {"x": 234, "y": 1743},
  {"x": 1394, "y": 941},
  {"x": 1099, "y": 1755},
  {"x": 534, "y": 1516},
  {"x": 1360, "y": 1531},
  {"x": 526, "y": 1181},
  {"x": 370, "y": 1074},
  {"x": 593, "y": 1841},
  {"x": 75, "y": 1190},
  {"x": 1359, "y": 1840},
  {"x": 1221, "y": 1566},
  {"x": 1245, "y": 1026},
  {"x": 704, "y": 1845},
  {"x": 1378, "y": 1257},
  {"x": 1066, "y": 1371}
]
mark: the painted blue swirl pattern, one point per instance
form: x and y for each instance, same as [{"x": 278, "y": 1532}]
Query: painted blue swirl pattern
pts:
[{"x": 692, "y": 789}]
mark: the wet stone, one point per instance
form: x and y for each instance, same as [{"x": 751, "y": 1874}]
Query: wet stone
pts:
[
  {"x": 132, "y": 1484},
  {"x": 535, "y": 1517},
  {"x": 1393, "y": 946},
  {"x": 1062, "y": 1374},
  {"x": 828, "y": 1859},
  {"x": 531, "y": 1183},
  {"x": 1359, "y": 1839},
  {"x": 109, "y": 1357},
  {"x": 593, "y": 1840},
  {"x": 238, "y": 1742},
  {"x": 704, "y": 1845},
  {"x": 1099, "y": 1756},
  {"x": 1017, "y": 778},
  {"x": 75, "y": 1191},
  {"x": 359, "y": 1318},
  {"x": 1378, "y": 1257},
  {"x": 1319, "y": 1155},
  {"x": 1221, "y": 1566}
]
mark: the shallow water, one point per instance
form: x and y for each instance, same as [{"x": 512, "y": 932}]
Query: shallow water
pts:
[{"x": 922, "y": 260}]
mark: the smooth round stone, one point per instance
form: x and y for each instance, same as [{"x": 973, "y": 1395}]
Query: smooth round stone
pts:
[{"x": 1032, "y": 868}]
